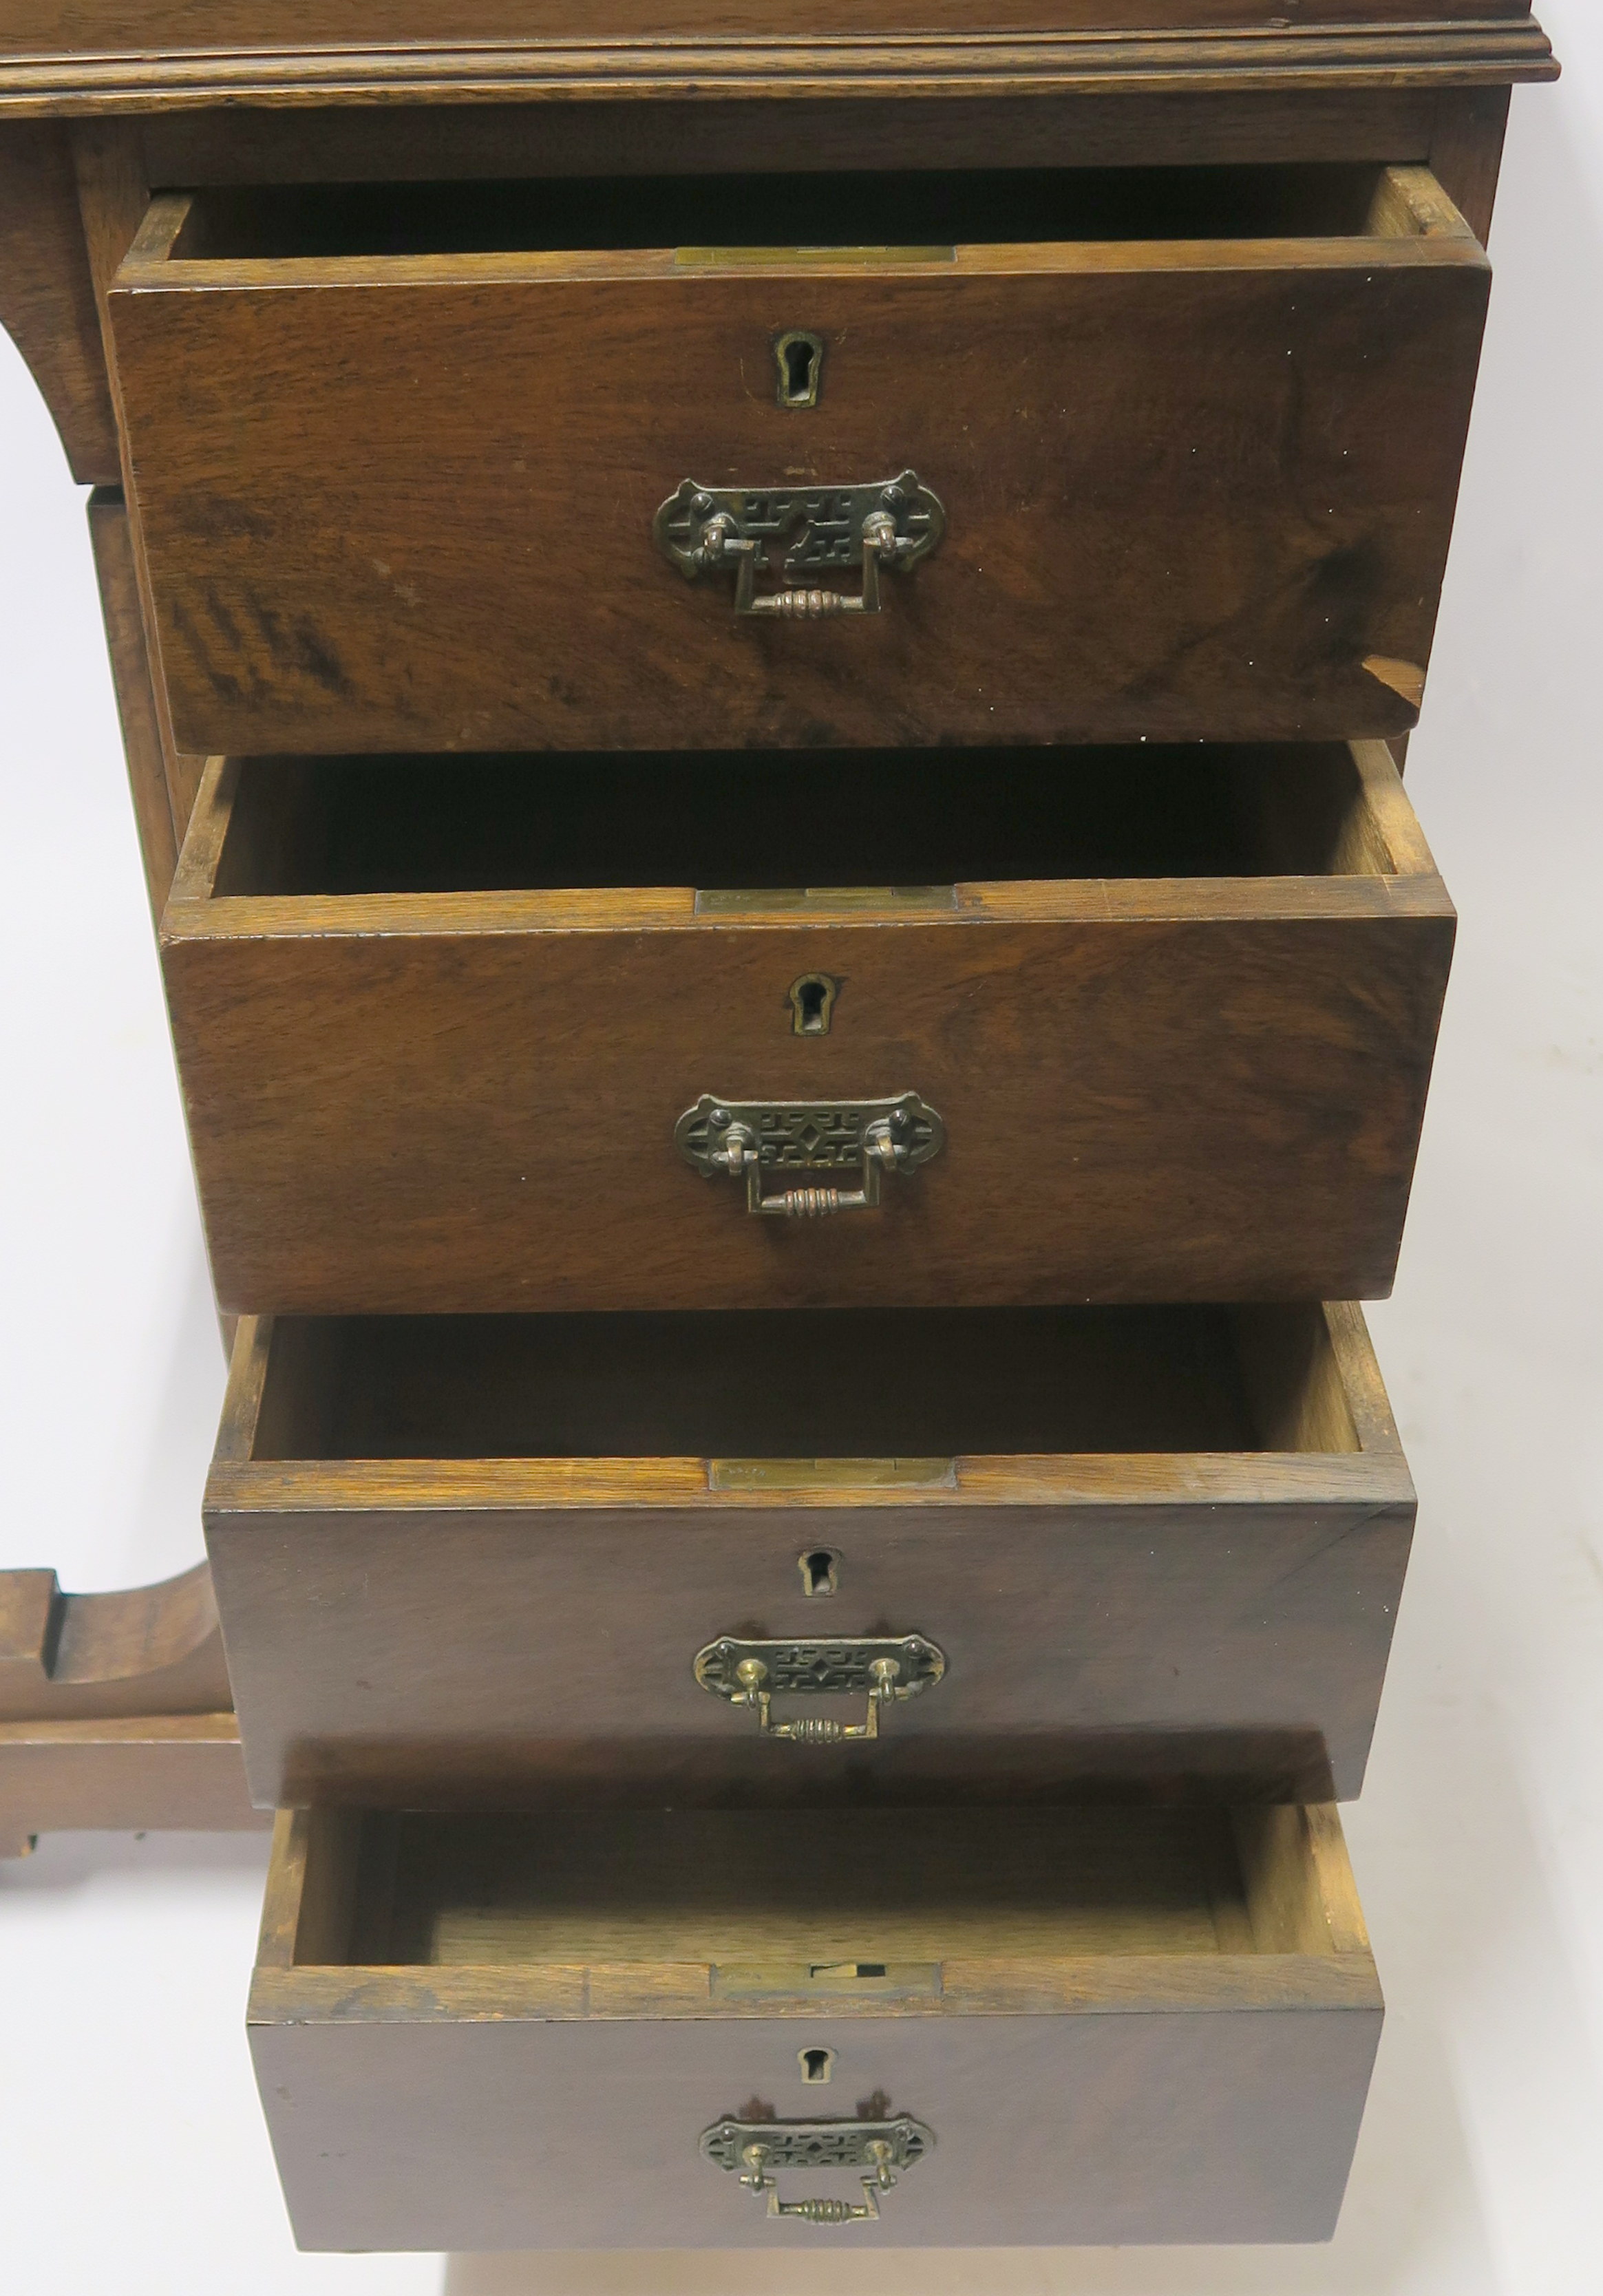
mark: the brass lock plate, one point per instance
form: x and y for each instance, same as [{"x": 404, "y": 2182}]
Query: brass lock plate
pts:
[
  {"x": 794, "y": 1140},
  {"x": 818, "y": 2143},
  {"x": 807, "y": 531},
  {"x": 830, "y": 1982},
  {"x": 808, "y": 1136},
  {"x": 842, "y": 1668}
]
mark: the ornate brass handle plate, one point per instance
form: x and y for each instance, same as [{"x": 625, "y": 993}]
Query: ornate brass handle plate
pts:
[
  {"x": 883, "y": 1670},
  {"x": 880, "y": 2150},
  {"x": 750, "y": 1139},
  {"x": 815, "y": 530}
]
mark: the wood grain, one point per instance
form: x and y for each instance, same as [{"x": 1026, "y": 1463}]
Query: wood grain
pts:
[
  {"x": 398, "y": 144},
  {"x": 827, "y": 1886},
  {"x": 1467, "y": 151},
  {"x": 106, "y": 26},
  {"x": 47, "y": 298},
  {"x": 1207, "y": 2093},
  {"x": 1140, "y": 546},
  {"x": 150, "y": 783},
  {"x": 141, "y": 1651},
  {"x": 115, "y": 1711},
  {"x": 173, "y": 1773},
  {"x": 1150, "y": 1620},
  {"x": 1153, "y": 1088},
  {"x": 52, "y": 64},
  {"x": 114, "y": 195}
]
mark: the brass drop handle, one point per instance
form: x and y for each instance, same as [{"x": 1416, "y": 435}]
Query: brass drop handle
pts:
[
  {"x": 791, "y": 1139},
  {"x": 756, "y": 2179},
  {"x": 739, "y": 1154},
  {"x": 880, "y": 2151},
  {"x": 889, "y": 522},
  {"x": 722, "y": 543},
  {"x": 816, "y": 1729},
  {"x": 752, "y": 1674}
]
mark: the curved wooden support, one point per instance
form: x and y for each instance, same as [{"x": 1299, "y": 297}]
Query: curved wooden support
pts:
[
  {"x": 47, "y": 297},
  {"x": 115, "y": 1711},
  {"x": 141, "y": 1651}
]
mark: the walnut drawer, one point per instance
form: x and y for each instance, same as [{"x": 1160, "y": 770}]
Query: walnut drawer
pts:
[
  {"x": 488, "y": 1561},
  {"x": 439, "y": 1024},
  {"x": 398, "y": 449},
  {"x": 1107, "y": 2026}
]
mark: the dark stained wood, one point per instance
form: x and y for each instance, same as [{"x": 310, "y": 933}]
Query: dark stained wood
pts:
[
  {"x": 1467, "y": 151},
  {"x": 1155, "y": 1087},
  {"x": 148, "y": 778},
  {"x": 115, "y": 1712},
  {"x": 1139, "y": 2026},
  {"x": 113, "y": 195},
  {"x": 47, "y": 298},
  {"x": 386, "y": 144},
  {"x": 140, "y": 1652},
  {"x": 165, "y": 782},
  {"x": 170, "y": 1773},
  {"x": 127, "y": 61},
  {"x": 52, "y": 26},
  {"x": 1246, "y": 541},
  {"x": 468, "y": 1566}
]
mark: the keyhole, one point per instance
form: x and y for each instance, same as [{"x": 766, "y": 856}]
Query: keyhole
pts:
[
  {"x": 817, "y": 2064},
  {"x": 819, "y": 1570},
  {"x": 801, "y": 360},
  {"x": 812, "y": 1004}
]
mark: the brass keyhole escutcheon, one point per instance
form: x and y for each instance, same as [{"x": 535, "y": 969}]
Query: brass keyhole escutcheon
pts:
[
  {"x": 812, "y": 1004},
  {"x": 799, "y": 355},
  {"x": 820, "y": 1572}
]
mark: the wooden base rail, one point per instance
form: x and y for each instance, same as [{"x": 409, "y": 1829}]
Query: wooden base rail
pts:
[{"x": 115, "y": 1712}]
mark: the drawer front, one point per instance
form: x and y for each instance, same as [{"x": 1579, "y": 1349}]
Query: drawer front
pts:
[
  {"x": 1146, "y": 1091},
  {"x": 1190, "y": 490},
  {"x": 475, "y": 1632},
  {"x": 1125, "y": 2028},
  {"x": 455, "y": 1658},
  {"x": 1049, "y": 2131}
]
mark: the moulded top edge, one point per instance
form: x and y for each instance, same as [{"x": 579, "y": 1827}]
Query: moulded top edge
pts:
[{"x": 100, "y": 58}]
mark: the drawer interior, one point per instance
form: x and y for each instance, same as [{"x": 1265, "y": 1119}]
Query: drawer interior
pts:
[
  {"x": 852, "y": 1384},
  {"x": 829, "y": 1901},
  {"x": 717, "y": 822},
  {"x": 923, "y": 211}
]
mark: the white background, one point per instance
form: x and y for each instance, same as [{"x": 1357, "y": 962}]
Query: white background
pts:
[{"x": 132, "y": 2156}]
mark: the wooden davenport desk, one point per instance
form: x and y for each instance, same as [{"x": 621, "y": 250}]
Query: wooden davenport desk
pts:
[{"x": 766, "y": 656}]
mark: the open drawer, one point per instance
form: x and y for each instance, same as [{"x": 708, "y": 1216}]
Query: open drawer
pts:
[
  {"x": 1027, "y": 456},
  {"x": 907, "y": 2027},
  {"x": 513, "y": 1561},
  {"x": 1140, "y": 1024}
]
